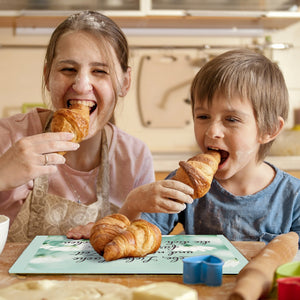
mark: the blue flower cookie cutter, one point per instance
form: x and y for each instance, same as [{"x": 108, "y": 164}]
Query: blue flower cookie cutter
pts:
[{"x": 206, "y": 269}]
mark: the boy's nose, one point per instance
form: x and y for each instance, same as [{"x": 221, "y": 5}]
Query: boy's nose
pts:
[
  {"x": 82, "y": 84},
  {"x": 215, "y": 130}
]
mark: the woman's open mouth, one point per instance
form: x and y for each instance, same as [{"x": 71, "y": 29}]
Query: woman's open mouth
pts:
[{"x": 91, "y": 104}]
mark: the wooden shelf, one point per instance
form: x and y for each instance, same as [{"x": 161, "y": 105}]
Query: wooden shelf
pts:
[
  {"x": 212, "y": 22},
  {"x": 207, "y": 22}
]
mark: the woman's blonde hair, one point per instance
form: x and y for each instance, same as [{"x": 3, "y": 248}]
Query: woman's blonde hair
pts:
[{"x": 251, "y": 76}]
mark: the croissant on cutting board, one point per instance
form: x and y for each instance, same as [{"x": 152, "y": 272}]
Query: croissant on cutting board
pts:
[
  {"x": 115, "y": 237},
  {"x": 139, "y": 239},
  {"x": 198, "y": 172},
  {"x": 75, "y": 120},
  {"x": 106, "y": 229}
]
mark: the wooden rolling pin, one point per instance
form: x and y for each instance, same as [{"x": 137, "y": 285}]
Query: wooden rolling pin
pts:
[{"x": 256, "y": 279}]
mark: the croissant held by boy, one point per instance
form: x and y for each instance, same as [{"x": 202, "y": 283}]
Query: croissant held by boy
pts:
[
  {"x": 198, "y": 172},
  {"x": 115, "y": 237}
]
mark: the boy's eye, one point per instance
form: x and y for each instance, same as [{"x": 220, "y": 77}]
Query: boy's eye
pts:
[
  {"x": 232, "y": 119},
  {"x": 101, "y": 71}
]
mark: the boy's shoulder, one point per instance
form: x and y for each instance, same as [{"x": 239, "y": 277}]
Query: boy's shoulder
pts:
[
  {"x": 284, "y": 184},
  {"x": 284, "y": 175}
]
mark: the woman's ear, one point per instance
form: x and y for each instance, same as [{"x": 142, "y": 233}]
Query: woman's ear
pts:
[
  {"x": 126, "y": 83},
  {"x": 265, "y": 138}
]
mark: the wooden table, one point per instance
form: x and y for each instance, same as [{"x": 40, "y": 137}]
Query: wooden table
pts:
[{"x": 13, "y": 250}]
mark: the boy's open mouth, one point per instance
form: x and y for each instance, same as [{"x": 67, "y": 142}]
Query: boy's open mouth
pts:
[
  {"x": 224, "y": 154},
  {"x": 91, "y": 104}
]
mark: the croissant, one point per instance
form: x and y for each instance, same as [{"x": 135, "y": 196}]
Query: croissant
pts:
[
  {"x": 139, "y": 239},
  {"x": 75, "y": 120},
  {"x": 198, "y": 172},
  {"x": 115, "y": 237},
  {"x": 106, "y": 229}
]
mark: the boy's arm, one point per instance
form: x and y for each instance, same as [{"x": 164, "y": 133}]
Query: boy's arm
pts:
[{"x": 165, "y": 222}]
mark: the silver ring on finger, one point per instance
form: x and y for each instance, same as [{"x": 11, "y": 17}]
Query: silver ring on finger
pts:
[{"x": 46, "y": 159}]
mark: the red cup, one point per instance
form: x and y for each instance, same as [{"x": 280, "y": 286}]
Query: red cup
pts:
[{"x": 288, "y": 288}]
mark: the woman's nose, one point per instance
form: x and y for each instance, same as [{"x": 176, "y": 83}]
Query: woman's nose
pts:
[
  {"x": 82, "y": 84},
  {"x": 215, "y": 130}
]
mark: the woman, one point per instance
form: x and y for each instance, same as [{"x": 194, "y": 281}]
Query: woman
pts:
[{"x": 44, "y": 192}]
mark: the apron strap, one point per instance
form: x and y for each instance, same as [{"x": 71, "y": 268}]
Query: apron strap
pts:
[{"x": 103, "y": 179}]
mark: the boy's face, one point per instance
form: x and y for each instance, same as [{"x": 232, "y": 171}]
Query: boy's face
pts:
[{"x": 230, "y": 127}]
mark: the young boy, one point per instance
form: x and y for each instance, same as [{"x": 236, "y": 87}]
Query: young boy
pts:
[{"x": 239, "y": 104}]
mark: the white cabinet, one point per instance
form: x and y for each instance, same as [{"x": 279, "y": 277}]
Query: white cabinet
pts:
[{"x": 260, "y": 14}]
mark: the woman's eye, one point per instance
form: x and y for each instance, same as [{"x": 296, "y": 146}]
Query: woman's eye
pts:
[
  {"x": 202, "y": 117},
  {"x": 68, "y": 70}
]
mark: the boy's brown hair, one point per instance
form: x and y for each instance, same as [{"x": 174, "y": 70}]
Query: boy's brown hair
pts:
[{"x": 251, "y": 76}]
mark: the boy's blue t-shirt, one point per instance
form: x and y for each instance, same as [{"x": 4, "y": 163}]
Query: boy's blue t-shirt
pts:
[{"x": 258, "y": 217}]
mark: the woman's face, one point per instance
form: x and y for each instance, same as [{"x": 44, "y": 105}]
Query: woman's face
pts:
[{"x": 80, "y": 73}]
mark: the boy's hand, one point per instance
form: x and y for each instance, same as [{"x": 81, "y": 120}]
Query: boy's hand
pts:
[{"x": 165, "y": 196}]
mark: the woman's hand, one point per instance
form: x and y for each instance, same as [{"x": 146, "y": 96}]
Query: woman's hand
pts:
[
  {"x": 80, "y": 232},
  {"x": 165, "y": 196},
  {"x": 33, "y": 156}
]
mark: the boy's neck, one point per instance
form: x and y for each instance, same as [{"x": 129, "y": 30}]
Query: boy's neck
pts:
[{"x": 251, "y": 182}]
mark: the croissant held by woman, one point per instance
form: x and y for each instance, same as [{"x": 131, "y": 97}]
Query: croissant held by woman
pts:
[{"x": 75, "y": 119}]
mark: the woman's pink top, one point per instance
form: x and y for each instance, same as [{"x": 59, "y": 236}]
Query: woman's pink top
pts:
[{"x": 130, "y": 162}]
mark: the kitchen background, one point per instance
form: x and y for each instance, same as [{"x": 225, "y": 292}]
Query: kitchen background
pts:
[{"x": 170, "y": 41}]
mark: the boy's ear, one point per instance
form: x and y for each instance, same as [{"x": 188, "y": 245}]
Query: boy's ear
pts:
[
  {"x": 126, "y": 83},
  {"x": 267, "y": 137}
]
